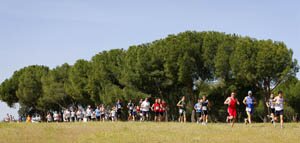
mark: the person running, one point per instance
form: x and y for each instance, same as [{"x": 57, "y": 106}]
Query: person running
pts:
[
  {"x": 249, "y": 101},
  {"x": 98, "y": 113},
  {"x": 145, "y": 107},
  {"x": 79, "y": 115},
  {"x": 204, "y": 104},
  {"x": 73, "y": 114},
  {"x": 163, "y": 108},
  {"x": 56, "y": 117},
  {"x": 182, "y": 109},
  {"x": 231, "y": 102},
  {"x": 130, "y": 107},
  {"x": 155, "y": 108},
  {"x": 134, "y": 113},
  {"x": 89, "y": 112},
  {"x": 118, "y": 109},
  {"x": 271, "y": 106},
  {"x": 113, "y": 113},
  {"x": 139, "y": 113},
  {"x": 102, "y": 111},
  {"x": 198, "y": 110},
  {"x": 279, "y": 108},
  {"x": 49, "y": 117}
]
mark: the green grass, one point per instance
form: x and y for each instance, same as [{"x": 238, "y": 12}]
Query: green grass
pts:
[{"x": 136, "y": 132}]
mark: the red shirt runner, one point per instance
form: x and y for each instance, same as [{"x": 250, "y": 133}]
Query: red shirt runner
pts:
[{"x": 232, "y": 107}]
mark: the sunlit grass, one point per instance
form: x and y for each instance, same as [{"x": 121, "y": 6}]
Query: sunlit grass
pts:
[{"x": 136, "y": 132}]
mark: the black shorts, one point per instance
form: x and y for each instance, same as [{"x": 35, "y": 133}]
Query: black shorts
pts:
[
  {"x": 198, "y": 114},
  {"x": 145, "y": 113},
  {"x": 272, "y": 110},
  {"x": 98, "y": 118},
  {"x": 278, "y": 113},
  {"x": 161, "y": 113},
  {"x": 130, "y": 112},
  {"x": 157, "y": 113},
  {"x": 119, "y": 112},
  {"x": 204, "y": 112}
]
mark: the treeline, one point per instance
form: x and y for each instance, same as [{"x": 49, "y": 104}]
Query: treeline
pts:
[{"x": 190, "y": 63}]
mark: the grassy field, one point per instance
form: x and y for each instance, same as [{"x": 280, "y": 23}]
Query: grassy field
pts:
[{"x": 135, "y": 132}]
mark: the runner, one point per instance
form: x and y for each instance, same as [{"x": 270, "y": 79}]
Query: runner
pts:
[
  {"x": 205, "y": 104},
  {"x": 145, "y": 107},
  {"x": 163, "y": 108},
  {"x": 198, "y": 110},
  {"x": 113, "y": 114},
  {"x": 49, "y": 117},
  {"x": 231, "y": 102},
  {"x": 102, "y": 111},
  {"x": 182, "y": 110},
  {"x": 130, "y": 107},
  {"x": 139, "y": 114},
  {"x": 98, "y": 113},
  {"x": 118, "y": 109},
  {"x": 249, "y": 101},
  {"x": 134, "y": 113},
  {"x": 156, "y": 108},
  {"x": 279, "y": 107},
  {"x": 89, "y": 112},
  {"x": 56, "y": 117},
  {"x": 270, "y": 105}
]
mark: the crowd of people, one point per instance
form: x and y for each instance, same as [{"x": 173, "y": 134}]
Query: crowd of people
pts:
[
  {"x": 141, "y": 111},
  {"x": 9, "y": 118}
]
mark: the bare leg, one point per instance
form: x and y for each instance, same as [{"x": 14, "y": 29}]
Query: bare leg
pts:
[
  {"x": 233, "y": 120},
  {"x": 281, "y": 121},
  {"x": 249, "y": 117}
]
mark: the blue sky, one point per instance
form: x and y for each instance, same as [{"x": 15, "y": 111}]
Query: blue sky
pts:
[{"x": 52, "y": 32}]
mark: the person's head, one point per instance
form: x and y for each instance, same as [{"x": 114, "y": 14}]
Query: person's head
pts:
[
  {"x": 158, "y": 100},
  {"x": 146, "y": 99},
  {"x": 204, "y": 97},
  {"x": 280, "y": 93},
  {"x": 130, "y": 101},
  {"x": 233, "y": 94},
  {"x": 272, "y": 96},
  {"x": 118, "y": 100},
  {"x": 199, "y": 100},
  {"x": 250, "y": 93}
]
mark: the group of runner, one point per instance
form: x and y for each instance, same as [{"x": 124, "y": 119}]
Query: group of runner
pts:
[
  {"x": 141, "y": 111},
  {"x": 274, "y": 103},
  {"x": 200, "y": 108}
]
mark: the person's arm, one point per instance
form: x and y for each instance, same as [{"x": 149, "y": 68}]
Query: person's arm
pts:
[
  {"x": 254, "y": 101},
  {"x": 226, "y": 102},
  {"x": 195, "y": 107},
  {"x": 244, "y": 101},
  {"x": 179, "y": 104},
  {"x": 267, "y": 104},
  {"x": 208, "y": 105},
  {"x": 152, "y": 107},
  {"x": 275, "y": 100},
  {"x": 237, "y": 101}
]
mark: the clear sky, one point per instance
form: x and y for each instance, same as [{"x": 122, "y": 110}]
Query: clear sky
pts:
[{"x": 52, "y": 32}]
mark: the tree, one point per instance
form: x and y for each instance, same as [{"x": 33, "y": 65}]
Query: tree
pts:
[{"x": 30, "y": 86}]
